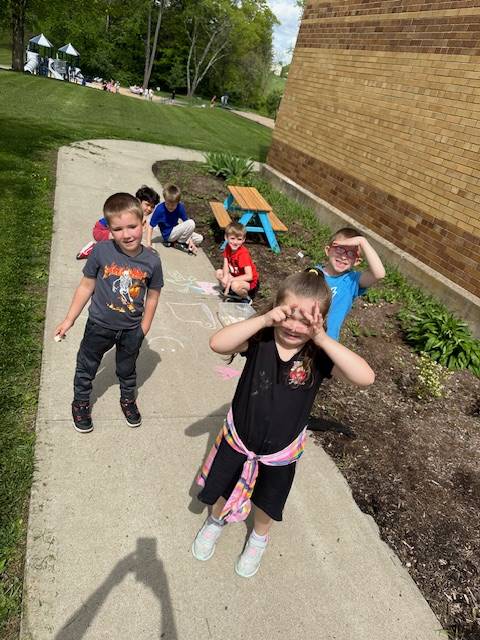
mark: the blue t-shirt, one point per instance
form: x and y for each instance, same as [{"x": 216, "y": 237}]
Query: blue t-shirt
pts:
[
  {"x": 165, "y": 219},
  {"x": 345, "y": 288}
]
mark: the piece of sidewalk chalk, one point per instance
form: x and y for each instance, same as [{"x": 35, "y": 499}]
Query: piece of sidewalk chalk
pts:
[{"x": 58, "y": 338}]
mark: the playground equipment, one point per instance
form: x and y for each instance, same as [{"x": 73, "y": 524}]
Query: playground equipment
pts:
[{"x": 60, "y": 68}]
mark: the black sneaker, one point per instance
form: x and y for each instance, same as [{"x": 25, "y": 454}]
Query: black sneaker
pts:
[
  {"x": 182, "y": 246},
  {"x": 82, "y": 419},
  {"x": 131, "y": 412}
]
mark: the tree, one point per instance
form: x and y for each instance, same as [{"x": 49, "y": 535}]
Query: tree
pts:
[
  {"x": 208, "y": 28},
  {"x": 17, "y": 20},
  {"x": 151, "y": 48}
]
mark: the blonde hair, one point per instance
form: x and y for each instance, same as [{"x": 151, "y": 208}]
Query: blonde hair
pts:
[
  {"x": 171, "y": 193},
  {"x": 121, "y": 203},
  {"x": 235, "y": 229}
]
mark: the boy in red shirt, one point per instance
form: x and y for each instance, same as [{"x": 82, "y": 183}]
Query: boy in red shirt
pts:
[{"x": 239, "y": 276}]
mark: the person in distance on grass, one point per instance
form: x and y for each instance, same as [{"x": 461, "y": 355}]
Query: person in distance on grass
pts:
[
  {"x": 238, "y": 275},
  {"x": 148, "y": 197},
  {"x": 166, "y": 216},
  {"x": 344, "y": 251},
  {"x": 123, "y": 281},
  {"x": 288, "y": 355}
]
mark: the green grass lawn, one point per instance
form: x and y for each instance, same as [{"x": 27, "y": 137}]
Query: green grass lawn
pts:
[
  {"x": 5, "y": 48},
  {"x": 37, "y": 116}
]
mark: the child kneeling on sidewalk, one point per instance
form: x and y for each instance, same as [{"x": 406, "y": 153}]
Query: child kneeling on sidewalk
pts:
[
  {"x": 166, "y": 216},
  {"x": 238, "y": 276}
]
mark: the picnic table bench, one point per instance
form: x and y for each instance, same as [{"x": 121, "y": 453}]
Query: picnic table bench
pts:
[{"x": 253, "y": 207}]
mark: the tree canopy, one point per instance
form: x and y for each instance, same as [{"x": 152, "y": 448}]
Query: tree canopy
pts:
[{"x": 206, "y": 46}]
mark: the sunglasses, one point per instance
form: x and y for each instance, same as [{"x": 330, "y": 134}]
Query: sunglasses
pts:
[{"x": 344, "y": 251}]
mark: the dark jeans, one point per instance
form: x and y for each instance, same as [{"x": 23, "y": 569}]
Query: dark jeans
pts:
[{"x": 96, "y": 342}]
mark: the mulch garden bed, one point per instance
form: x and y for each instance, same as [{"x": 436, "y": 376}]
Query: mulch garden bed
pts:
[{"x": 413, "y": 465}]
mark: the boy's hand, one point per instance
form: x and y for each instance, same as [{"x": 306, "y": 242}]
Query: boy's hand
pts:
[
  {"x": 278, "y": 314},
  {"x": 62, "y": 329},
  {"x": 357, "y": 241}
]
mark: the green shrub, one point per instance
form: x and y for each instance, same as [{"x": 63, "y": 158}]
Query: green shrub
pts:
[
  {"x": 445, "y": 338},
  {"x": 226, "y": 165}
]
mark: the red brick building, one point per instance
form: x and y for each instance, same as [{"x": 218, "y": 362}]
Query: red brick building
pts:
[{"x": 380, "y": 118}]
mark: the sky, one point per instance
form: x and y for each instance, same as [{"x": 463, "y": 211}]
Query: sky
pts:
[{"x": 285, "y": 34}]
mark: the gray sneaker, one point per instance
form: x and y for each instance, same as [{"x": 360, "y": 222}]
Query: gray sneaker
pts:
[
  {"x": 248, "y": 563},
  {"x": 203, "y": 546}
]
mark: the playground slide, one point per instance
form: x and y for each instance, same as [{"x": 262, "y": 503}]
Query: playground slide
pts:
[
  {"x": 51, "y": 68},
  {"x": 31, "y": 66}
]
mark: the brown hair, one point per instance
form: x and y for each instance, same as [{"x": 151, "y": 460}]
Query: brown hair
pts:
[
  {"x": 346, "y": 232},
  {"x": 235, "y": 229},
  {"x": 171, "y": 193},
  {"x": 121, "y": 203}
]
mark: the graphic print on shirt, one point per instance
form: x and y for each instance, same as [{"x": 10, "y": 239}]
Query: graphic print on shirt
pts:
[
  {"x": 334, "y": 291},
  {"x": 297, "y": 376},
  {"x": 234, "y": 269},
  {"x": 127, "y": 286}
]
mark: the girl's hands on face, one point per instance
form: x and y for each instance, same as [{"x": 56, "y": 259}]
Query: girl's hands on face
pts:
[
  {"x": 278, "y": 314},
  {"x": 314, "y": 321}
]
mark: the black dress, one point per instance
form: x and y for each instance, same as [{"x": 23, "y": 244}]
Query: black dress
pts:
[{"x": 271, "y": 406}]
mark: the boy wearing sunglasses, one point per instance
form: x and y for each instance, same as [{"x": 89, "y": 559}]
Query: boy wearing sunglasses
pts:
[{"x": 344, "y": 251}]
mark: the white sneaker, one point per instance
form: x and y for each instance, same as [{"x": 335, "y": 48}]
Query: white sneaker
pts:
[
  {"x": 248, "y": 563},
  {"x": 203, "y": 546}
]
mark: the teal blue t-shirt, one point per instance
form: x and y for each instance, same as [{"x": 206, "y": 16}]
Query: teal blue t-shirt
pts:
[{"x": 345, "y": 288}]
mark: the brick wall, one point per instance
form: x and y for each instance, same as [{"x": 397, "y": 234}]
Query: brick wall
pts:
[{"x": 380, "y": 118}]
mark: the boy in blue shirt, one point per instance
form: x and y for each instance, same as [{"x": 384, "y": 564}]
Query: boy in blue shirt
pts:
[
  {"x": 166, "y": 216},
  {"x": 345, "y": 251}
]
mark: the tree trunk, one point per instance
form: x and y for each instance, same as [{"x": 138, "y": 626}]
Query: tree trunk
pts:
[
  {"x": 18, "y": 8},
  {"x": 151, "y": 52},
  {"x": 147, "y": 48}
]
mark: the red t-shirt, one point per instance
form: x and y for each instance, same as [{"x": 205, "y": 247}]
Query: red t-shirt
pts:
[{"x": 238, "y": 260}]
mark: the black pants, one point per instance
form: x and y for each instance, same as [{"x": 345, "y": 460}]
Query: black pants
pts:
[{"x": 96, "y": 342}]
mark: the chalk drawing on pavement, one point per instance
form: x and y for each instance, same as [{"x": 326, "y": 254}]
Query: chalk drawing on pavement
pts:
[
  {"x": 196, "y": 313},
  {"x": 167, "y": 343},
  {"x": 227, "y": 373}
]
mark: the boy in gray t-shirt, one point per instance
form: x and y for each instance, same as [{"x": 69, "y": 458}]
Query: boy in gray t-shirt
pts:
[{"x": 123, "y": 279}]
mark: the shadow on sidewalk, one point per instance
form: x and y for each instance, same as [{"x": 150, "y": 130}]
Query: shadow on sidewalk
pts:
[
  {"x": 148, "y": 569},
  {"x": 211, "y": 424},
  {"x": 148, "y": 359}
]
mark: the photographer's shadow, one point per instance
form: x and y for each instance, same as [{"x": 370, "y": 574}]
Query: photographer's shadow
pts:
[
  {"x": 147, "y": 361},
  {"x": 211, "y": 425},
  {"x": 148, "y": 569}
]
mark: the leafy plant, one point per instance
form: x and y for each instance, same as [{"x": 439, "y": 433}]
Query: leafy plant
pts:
[
  {"x": 445, "y": 338},
  {"x": 226, "y": 165}
]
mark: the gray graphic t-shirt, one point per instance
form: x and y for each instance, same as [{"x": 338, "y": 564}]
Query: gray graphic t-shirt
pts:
[{"x": 121, "y": 284}]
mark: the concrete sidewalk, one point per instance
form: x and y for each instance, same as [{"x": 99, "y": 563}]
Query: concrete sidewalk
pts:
[{"x": 112, "y": 515}]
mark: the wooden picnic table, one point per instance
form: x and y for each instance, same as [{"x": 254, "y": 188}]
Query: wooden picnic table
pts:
[{"x": 255, "y": 209}]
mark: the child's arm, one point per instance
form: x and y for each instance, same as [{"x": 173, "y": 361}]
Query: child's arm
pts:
[
  {"x": 346, "y": 364},
  {"x": 376, "y": 270},
  {"x": 148, "y": 241},
  {"x": 234, "y": 338},
  {"x": 82, "y": 295},
  {"x": 151, "y": 302},
  {"x": 247, "y": 276}
]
